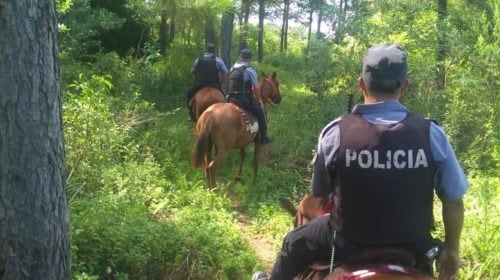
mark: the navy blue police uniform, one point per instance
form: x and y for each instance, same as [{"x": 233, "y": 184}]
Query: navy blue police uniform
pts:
[
  {"x": 206, "y": 70},
  {"x": 385, "y": 164},
  {"x": 242, "y": 77}
]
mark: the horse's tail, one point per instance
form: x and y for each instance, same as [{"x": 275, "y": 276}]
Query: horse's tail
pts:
[
  {"x": 288, "y": 206},
  {"x": 200, "y": 148},
  {"x": 292, "y": 210}
]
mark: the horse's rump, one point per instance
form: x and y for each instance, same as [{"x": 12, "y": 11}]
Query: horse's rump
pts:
[{"x": 204, "y": 98}]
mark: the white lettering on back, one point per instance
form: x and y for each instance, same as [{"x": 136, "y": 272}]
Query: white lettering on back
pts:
[
  {"x": 421, "y": 159},
  {"x": 368, "y": 156},
  {"x": 349, "y": 156},
  {"x": 376, "y": 163},
  {"x": 398, "y": 159},
  {"x": 397, "y": 163}
]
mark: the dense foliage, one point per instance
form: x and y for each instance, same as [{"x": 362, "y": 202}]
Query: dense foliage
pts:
[{"x": 139, "y": 211}]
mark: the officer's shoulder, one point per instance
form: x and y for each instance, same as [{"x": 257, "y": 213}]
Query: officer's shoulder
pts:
[
  {"x": 433, "y": 121},
  {"x": 331, "y": 126},
  {"x": 425, "y": 118}
]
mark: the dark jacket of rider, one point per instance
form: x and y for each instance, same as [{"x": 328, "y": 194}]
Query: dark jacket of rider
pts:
[{"x": 241, "y": 85}]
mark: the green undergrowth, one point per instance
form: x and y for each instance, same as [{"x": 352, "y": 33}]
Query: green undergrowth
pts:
[{"x": 140, "y": 211}]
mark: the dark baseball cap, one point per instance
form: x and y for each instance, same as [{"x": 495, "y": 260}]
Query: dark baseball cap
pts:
[
  {"x": 246, "y": 53},
  {"x": 211, "y": 47},
  {"x": 385, "y": 67}
]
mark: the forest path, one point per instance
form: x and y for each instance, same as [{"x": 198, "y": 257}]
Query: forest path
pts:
[{"x": 263, "y": 248}]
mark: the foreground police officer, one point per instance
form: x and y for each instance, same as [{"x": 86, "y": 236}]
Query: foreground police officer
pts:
[
  {"x": 208, "y": 70},
  {"x": 383, "y": 164},
  {"x": 242, "y": 82}
]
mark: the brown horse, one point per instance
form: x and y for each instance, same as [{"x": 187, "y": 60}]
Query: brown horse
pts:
[
  {"x": 205, "y": 97},
  {"x": 226, "y": 126},
  {"x": 374, "y": 264},
  {"x": 270, "y": 93},
  {"x": 309, "y": 208}
]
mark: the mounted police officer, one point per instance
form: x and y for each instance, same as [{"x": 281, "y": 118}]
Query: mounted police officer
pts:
[
  {"x": 208, "y": 70},
  {"x": 383, "y": 165},
  {"x": 241, "y": 84}
]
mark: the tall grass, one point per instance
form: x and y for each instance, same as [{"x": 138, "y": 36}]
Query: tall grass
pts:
[{"x": 139, "y": 211}]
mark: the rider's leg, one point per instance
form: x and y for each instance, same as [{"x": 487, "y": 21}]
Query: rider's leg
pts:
[
  {"x": 303, "y": 246},
  {"x": 259, "y": 112}
]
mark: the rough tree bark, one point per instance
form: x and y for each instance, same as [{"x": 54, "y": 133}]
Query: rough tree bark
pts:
[{"x": 34, "y": 222}]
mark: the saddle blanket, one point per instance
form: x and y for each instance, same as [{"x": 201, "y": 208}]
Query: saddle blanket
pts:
[
  {"x": 250, "y": 121},
  {"x": 363, "y": 273}
]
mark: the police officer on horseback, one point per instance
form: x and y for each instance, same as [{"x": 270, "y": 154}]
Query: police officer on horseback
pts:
[
  {"x": 242, "y": 82},
  {"x": 208, "y": 70},
  {"x": 383, "y": 165}
]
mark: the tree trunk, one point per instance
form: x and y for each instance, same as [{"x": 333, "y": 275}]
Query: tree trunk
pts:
[
  {"x": 226, "y": 35},
  {"x": 262, "y": 15},
  {"x": 286, "y": 32},
  {"x": 309, "y": 33},
  {"x": 284, "y": 26},
  {"x": 171, "y": 32},
  {"x": 245, "y": 9},
  {"x": 442, "y": 48},
  {"x": 34, "y": 220},
  {"x": 163, "y": 32},
  {"x": 320, "y": 19},
  {"x": 209, "y": 30}
]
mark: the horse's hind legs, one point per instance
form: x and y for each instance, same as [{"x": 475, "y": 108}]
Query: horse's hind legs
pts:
[
  {"x": 243, "y": 154},
  {"x": 256, "y": 158},
  {"x": 211, "y": 170}
]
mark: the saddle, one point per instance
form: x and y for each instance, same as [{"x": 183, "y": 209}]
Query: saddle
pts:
[{"x": 370, "y": 261}]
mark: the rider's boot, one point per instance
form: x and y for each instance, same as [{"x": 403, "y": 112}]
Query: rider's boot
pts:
[{"x": 264, "y": 139}]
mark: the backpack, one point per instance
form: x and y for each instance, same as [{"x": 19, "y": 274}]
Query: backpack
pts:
[{"x": 236, "y": 83}]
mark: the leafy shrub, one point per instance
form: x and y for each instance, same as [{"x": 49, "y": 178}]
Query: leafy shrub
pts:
[{"x": 112, "y": 236}]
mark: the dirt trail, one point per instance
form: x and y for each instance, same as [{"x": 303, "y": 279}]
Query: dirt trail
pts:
[{"x": 263, "y": 248}]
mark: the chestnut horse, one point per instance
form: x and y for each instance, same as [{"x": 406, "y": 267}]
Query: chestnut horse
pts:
[
  {"x": 205, "y": 97},
  {"x": 371, "y": 264},
  {"x": 269, "y": 92},
  {"x": 224, "y": 126}
]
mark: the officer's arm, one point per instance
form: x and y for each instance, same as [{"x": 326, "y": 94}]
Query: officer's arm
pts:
[
  {"x": 223, "y": 72},
  {"x": 193, "y": 67},
  {"x": 255, "y": 84},
  {"x": 453, "y": 218}
]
